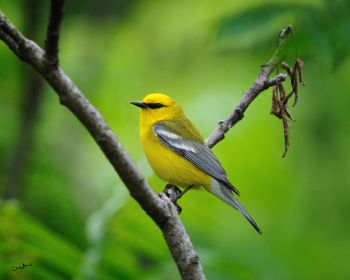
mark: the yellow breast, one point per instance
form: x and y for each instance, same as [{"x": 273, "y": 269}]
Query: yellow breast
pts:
[{"x": 170, "y": 166}]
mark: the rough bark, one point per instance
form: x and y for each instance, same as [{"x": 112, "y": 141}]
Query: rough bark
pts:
[{"x": 53, "y": 31}]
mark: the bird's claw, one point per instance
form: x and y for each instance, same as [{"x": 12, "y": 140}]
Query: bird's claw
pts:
[
  {"x": 178, "y": 207},
  {"x": 173, "y": 193}
]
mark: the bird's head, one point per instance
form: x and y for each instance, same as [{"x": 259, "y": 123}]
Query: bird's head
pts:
[{"x": 157, "y": 107}]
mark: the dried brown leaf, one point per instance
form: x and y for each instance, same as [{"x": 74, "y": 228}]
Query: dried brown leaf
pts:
[
  {"x": 280, "y": 98},
  {"x": 282, "y": 91},
  {"x": 286, "y": 129},
  {"x": 299, "y": 67},
  {"x": 275, "y": 102},
  {"x": 294, "y": 83},
  {"x": 289, "y": 115},
  {"x": 295, "y": 90},
  {"x": 285, "y": 100},
  {"x": 286, "y": 67}
]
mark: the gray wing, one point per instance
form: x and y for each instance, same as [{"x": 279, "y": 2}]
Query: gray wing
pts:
[{"x": 198, "y": 154}]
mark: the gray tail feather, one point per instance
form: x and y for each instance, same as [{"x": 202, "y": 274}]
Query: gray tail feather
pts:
[
  {"x": 225, "y": 194},
  {"x": 246, "y": 214}
]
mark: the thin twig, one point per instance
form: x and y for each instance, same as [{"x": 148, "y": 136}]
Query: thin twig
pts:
[
  {"x": 237, "y": 114},
  {"x": 261, "y": 83}
]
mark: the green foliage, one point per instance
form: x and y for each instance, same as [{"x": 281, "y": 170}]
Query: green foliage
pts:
[
  {"x": 25, "y": 240},
  {"x": 325, "y": 26},
  {"x": 74, "y": 219}
]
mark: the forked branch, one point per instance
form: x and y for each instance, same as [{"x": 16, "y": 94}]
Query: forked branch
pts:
[{"x": 261, "y": 83}]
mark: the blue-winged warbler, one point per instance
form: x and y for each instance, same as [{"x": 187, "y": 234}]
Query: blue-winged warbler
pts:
[{"x": 177, "y": 153}]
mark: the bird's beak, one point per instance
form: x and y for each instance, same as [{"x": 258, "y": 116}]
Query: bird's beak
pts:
[{"x": 139, "y": 104}]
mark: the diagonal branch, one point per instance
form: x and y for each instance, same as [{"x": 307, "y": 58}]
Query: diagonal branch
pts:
[
  {"x": 53, "y": 31},
  {"x": 158, "y": 207},
  {"x": 261, "y": 83}
]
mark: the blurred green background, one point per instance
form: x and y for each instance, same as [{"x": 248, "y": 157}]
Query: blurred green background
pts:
[{"x": 63, "y": 207}]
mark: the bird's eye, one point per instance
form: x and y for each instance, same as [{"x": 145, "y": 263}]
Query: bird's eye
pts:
[{"x": 154, "y": 105}]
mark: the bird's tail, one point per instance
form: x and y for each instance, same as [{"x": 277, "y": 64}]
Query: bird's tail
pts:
[{"x": 224, "y": 193}]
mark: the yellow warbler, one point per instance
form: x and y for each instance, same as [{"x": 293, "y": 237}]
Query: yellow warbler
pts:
[{"x": 177, "y": 153}]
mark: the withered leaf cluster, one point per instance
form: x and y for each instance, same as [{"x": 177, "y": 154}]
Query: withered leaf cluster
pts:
[{"x": 280, "y": 98}]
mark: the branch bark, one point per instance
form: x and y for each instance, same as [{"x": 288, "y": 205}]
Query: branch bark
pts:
[
  {"x": 53, "y": 31},
  {"x": 157, "y": 206}
]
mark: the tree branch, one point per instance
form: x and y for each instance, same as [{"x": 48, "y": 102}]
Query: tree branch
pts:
[
  {"x": 53, "y": 31},
  {"x": 158, "y": 207},
  {"x": 261, "y": 83}
]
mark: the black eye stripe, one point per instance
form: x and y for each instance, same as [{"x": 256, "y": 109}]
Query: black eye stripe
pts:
[{"x": 154, "y": 105}]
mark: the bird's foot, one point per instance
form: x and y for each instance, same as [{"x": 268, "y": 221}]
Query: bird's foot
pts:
[
  {"x": 178, "y": 207},
  {"x": 173, "y": 192}
]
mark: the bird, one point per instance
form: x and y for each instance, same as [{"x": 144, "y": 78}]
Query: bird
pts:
[{"x": 177, "y": 152}]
